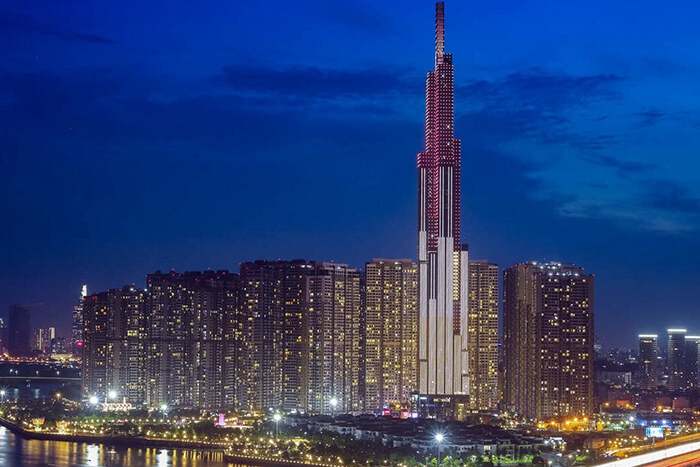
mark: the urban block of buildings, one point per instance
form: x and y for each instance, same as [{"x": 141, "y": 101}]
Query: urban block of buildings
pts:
[{"x": 324, "y": 338}]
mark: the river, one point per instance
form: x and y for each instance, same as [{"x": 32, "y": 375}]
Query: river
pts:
[{"x": 18, "y": 452}]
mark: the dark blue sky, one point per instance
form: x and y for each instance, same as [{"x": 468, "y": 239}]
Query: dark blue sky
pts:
[{"x": 137, "y": 136}]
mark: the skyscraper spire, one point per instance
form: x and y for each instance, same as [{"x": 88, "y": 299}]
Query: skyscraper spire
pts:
[{"x": 439, "y": 32}]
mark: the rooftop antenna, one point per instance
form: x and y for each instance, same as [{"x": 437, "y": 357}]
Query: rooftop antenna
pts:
[{"x": 439, "y": 32}]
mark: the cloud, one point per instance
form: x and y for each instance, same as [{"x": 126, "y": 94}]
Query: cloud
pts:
[
  {"x": 623, "y": 168},
  {"x": 650, "y": 117},
  {"x": 538, "y": 106},
  {"x": 588, "y": 165},
  {"x": 662, "y": 206},
  {"x": 22, "y": 23},
  {"x": 318, "y": 83},
  {"x": 540, "y": 89},
  {"x": 671, "y": 196},
  {"x": 632, "y": 215}
]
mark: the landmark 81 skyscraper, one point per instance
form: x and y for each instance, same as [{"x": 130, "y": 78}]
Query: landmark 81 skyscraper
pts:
[{"x": 441, "y": 256}]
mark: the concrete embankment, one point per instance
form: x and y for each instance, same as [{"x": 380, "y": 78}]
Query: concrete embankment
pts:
[{"x": 265, "y": 462}]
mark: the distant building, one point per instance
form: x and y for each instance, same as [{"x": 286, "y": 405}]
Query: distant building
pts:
[
  {"x": 691, "y": 360},
  {"x": 675, "y": 363},
  {"x": 58, "y": 346},
  {"x": 3, "y": 336},
  {"x": 648, "y": 361},
  {"x": 389, "y": 334},
  {"x": 41, "y": 341},
  {"x": 77, "y": 324},
  {"x": 548, "y": 340},
  {"x": 482, "y": 335},
  {"x": 19, "y": 332}
]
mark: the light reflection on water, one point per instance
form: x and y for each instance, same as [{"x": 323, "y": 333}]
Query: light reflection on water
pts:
[{"x": 18, "y": 452}]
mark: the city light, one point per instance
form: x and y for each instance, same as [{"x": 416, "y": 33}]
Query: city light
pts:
[
  {"x": 439, "y": 437},
  {"x": 276, "y": 417}
]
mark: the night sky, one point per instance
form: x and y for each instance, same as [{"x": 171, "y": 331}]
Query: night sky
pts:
[{"x": 137, "y": 136}]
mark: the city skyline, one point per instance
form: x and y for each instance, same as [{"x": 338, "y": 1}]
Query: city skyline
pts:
[{"x": 207, "y": 137}]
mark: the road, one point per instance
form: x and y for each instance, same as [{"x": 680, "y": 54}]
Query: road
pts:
[{"x": 684, "y": 460}]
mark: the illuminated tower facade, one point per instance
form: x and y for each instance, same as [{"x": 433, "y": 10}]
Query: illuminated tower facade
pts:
[
  {"x": 676, "y": 354},
  {"x": 482, "y": 335},
  {"x": 331, "y": 340},
  {"x": 272, "y": 336},
  {"x": 113, "y": 357},
  {"x": 391, "y": 323},
  {"x": 548, "y": 340},
  {"x": 648, "y": 361},
  {"x": 77, "y": 325},
  {"x": 192, "y": 339},
  {"x": 692, "y": 360},
  {"x": 442, "y": 259}
]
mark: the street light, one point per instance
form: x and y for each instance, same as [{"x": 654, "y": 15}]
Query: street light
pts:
[
  {"x": 2, "y": 394},
  {"x": 276, "y": 417},
  {"x": 439, "y": 437},
  {"x": 93, "y": 402},
  {"x": 112, "y": 394},
  {"x": 334, "y": 402}
]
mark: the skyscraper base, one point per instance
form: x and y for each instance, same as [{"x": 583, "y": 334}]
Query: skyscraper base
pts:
[{"x": 441, "y": 407}]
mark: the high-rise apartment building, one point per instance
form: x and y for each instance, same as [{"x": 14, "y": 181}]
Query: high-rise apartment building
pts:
[
  {"x": 548, "y": 340},
  {"x": 300, "y": 337},
  {"x": 691, "y": 360},
  {"x": 675, "y": 363},
  {"x": 648, "y": 361},
  {"x": 174, "y": 343},
  {"x": 442, "y": 259},
  {"x": 281, "y": 335},
  {"x": 390, "y": 330},
  {"x": 192, "y": 339},
  {"x": 113, "y": 349},
  {"x": 482, "y": 335},
  {"x": 272, "y": 337},
  {"x": 19, "y": 331},
  {"x": 331, "y": 326}
]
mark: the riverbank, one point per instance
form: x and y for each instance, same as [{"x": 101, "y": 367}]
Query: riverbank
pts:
[
  {"x": 129, "y": 441},
  {"x": 201, "y": 449}
]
